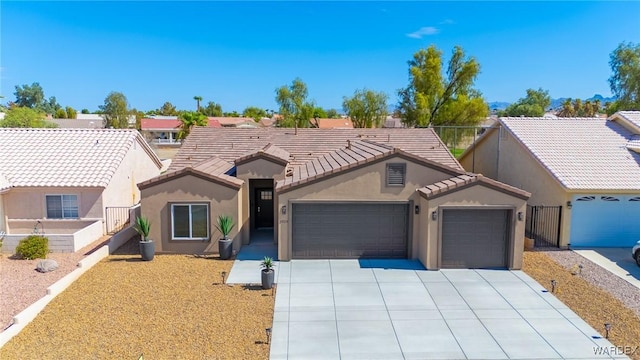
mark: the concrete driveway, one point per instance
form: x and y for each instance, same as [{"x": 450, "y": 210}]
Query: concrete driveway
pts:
[
  {"x": 386, "y": 309},
  {"x": 616, "y": 260}
]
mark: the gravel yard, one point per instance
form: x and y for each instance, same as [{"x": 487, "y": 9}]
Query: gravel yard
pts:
[
  {"x": 596, "y": 295},
  {"x": 21, "y": 285},
  {"x": 173, "y": 307}
]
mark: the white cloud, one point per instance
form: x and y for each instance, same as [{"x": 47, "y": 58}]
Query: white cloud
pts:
[
  {"x": 447, "y": 22},
  {"x": 424, "y": 31}
]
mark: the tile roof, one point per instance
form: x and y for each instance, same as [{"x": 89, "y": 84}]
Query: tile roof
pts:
[
  {"x": 168, "y": 124},
  {"x": 269, "y": 151},
  {"x": 581, "y": 153},
  {"x": 78, "y": 123},
  {"x": 356, "y": 153},
  {"x": 459, "y": 182},
  {"x": 213, "y": 168},
  {"x": 631, "y": 116},
  {"x": 65, "y": 157},
  {"x": 334, "y": 123},
  {"x": 232, "y": 121},
  {"x": 230, "y": 143}
]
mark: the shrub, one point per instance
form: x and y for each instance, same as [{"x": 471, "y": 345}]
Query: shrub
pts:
[{"x": 33, "y": 247}]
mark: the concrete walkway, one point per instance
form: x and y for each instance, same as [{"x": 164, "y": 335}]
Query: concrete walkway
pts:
[
  {"x": 616, "y": 260},
  {"x": 246, "y": 267}
]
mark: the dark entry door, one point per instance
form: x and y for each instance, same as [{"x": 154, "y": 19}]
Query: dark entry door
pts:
[{"x": 263, "y": 210}]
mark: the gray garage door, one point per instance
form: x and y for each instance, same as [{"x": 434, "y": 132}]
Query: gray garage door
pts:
[
  {"x": 349, "y": 230},
  {"x": 475, "y": 238}
]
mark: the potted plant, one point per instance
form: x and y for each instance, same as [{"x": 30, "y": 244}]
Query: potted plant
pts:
[
  {"x": 225, "y": 245},
  {"x": 147, "y": 246},
  {"x": 267, "y": 272}
]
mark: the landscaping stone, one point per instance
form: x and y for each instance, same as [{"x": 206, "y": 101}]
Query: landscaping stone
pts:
[
  {"x": 589, "y": 301},
  {"x": 47, "y": 265},
  {"x": 173, "y": 307}
]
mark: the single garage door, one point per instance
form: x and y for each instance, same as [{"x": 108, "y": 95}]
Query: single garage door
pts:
[
  {"x": 475, "y": 238},
  {"x": 605, "y": 221},
  {"x": 349, "y": 230}
]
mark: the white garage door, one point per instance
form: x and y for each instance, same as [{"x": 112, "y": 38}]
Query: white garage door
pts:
[{"x": 605, "y": 221}]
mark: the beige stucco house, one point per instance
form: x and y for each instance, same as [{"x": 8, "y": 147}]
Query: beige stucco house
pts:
[
  {"x": 589, "y": 167},
  {"x": 338, "y": 193},
  {"x": 62, "y": 182}
]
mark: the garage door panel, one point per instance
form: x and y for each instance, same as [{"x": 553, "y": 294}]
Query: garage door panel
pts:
[
  {"x": 349, "y": 230},
  {"x": 475, "y": 238},
  {"x": 606, "y": 221}
]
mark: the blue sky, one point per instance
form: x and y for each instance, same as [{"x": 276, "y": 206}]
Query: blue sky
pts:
[{"x": 238, "y": 53}]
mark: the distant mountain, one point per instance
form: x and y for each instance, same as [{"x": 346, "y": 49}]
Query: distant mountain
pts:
[{"x": 555, "y": 103}]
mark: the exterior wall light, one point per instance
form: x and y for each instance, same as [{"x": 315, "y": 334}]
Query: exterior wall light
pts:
[
  {"x": 569, "y": 205},
  {"x": 417, "y": 209},
  {"x": 520, "y": 216},
  {"x": 283, "y": 209},
  {"x": 434, "y": 215}
]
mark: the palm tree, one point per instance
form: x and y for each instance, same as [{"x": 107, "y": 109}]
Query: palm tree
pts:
[
  {"x": 190, "y": 119},
  {"x": 197, "y": 99}
]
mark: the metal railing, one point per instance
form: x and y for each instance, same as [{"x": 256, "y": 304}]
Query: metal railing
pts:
[
  {"x": 543, "y": 225},
  {"x": 117, "y": 218}
]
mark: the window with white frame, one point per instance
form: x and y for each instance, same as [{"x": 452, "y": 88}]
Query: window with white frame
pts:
[
  {"x": 62, "y": 206},
  {"x": 189, "y": 221}
]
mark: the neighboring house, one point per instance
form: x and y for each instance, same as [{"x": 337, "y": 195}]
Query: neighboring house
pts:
[
  {"x": 241, "y": 122},
  {"x": 78, "y": 123},
  {"x": 393, "y": 122},
  {"x": 589, "y": 167},
  {"x": 131, "y": 119},
  {"x": 164, "y": 130},
  {"x": 61, "y": 182},
  {"x": 341, "y": 123},
  {"x": 339, "y": 193}
]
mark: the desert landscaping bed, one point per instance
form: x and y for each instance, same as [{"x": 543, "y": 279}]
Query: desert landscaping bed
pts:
[
  {"x": 173, "y": 307},
  {"x": 21, "y": 285},
  {"x": 589, "y": 294}
]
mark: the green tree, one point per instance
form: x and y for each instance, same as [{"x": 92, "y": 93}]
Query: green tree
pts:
[
  {"x": 85, "y": 111},
  {"x": 212, "y": 109},
  {"x": 24, "y": 117},
  {"x": 71, "y": 112},
  {"x": 295, "y": 109},
  {"x": 197, "y": 99},
  {"x": 434, "y": 98},
  {"x": 139, "y": 115},
  {"x": 231, "y": 114},
  {"x": 31, "y": 96},
  {"x": 116, "y": 110},
  {"x": 625, "y": 77},
  {"x": 332, "y": 114},
  {"x": 189, "y": 119},
  {"x": 366, "y": 108},
  {"x": 60, "y": 114},
  {"x": 167, "y": 109},
  {"x": 534, "y": 104},
  {"x": 255, "y": 113},
  {"x": 567, "y": 109}
]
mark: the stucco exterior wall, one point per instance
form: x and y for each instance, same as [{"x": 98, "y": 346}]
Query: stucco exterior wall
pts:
[
  {"x": 477, "y": 196},
  {"x": 482, "y": 158},
  {"x": 517, "y": 167},
  {"x": 30, "y": 203},
  {"x": 156, "y": 205},
  {"x": 136, "y": 167},
  {"x": 367, "y": 183},
  {"x": 3, "y": 220}
]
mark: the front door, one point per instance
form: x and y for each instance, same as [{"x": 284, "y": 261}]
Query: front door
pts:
[{"x": 263, "y": 211}]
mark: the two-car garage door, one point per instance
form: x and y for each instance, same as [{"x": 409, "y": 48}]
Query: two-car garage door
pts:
[{"x": 350, "y": 230}]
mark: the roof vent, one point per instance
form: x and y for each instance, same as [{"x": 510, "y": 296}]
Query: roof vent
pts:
[{"x": 349, "y": 144}]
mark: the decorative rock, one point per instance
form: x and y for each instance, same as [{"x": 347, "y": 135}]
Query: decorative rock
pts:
[{"x": 47, "y": 265}]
